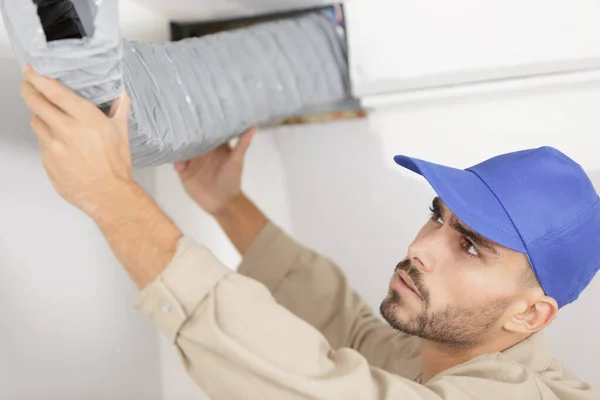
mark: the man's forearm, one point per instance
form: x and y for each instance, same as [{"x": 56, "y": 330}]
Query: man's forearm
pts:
[
  {"x": 142, "y": 237},
  {"x": 242, "y": 221}
]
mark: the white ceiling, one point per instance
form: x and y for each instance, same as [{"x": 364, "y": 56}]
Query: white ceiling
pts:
[{"x": 203, "y": 10}]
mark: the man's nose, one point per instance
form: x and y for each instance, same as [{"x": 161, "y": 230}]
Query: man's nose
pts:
[{"x": 425, "y": 250}]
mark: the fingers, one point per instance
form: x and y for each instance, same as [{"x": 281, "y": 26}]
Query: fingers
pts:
[
  {"x": 242, "y": 146},
  {"x": 42, "y": 131},
  {"x": 181, "y": 166},
  {"x": 223, "y": 151},
  {"x": 56, "y": 93},
  {"x": 40, "y": 106}
]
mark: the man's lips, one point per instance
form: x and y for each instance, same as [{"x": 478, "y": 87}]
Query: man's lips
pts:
[{"x": 411, "y": 285}]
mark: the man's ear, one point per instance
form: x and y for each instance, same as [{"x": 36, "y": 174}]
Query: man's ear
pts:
[{"x": 532, "y": 315}]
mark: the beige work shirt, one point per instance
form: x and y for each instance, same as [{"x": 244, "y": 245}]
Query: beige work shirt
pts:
[{"x": 288, "y": 326}]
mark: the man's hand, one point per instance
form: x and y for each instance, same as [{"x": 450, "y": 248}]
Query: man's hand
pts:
[
  {"x": 214, "y": 179},
  {"x": 85, "y": 154}
]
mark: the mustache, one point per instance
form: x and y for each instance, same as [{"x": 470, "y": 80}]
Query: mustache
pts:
[{"x": 407, "y": 266}]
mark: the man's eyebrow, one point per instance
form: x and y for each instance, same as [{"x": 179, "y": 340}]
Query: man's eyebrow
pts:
[
  {"x": 436, "y": 204},
  {"x": 472, "y": 235}
]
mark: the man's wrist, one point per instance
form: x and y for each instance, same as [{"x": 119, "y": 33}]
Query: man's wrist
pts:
[
  {"x": 143, "y": 238},
  {"x": 231, "y": 207},
  {"x": 120, "y": 200},
  {"x": 242, "y": 221}
]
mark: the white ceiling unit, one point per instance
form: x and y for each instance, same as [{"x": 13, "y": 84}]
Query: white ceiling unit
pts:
[{"x": 399, "y": 47}]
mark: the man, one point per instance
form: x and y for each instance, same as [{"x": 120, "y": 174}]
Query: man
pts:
[{"x": 509, "y": 242}]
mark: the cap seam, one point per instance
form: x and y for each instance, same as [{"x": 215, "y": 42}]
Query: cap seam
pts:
[
  {"x": 504, "y": 208},
  {"x": 552, "y": 234},
  {"x": 572, "y": 291},
  {"x": 467, "y": 210},
  {"x": 525, "y": 246},
  {"x": 564, "y": 298}
]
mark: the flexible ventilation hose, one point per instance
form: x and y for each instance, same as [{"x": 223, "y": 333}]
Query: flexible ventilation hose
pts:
[{"x": 187, "y": 96}]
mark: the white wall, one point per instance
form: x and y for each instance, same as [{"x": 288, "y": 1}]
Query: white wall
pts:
[{"x": 67, "y": 328}]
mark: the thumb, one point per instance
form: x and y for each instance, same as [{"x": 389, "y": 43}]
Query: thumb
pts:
[
  {"x": 181, "y": 166},
  {"x": 242, "y": 146}
]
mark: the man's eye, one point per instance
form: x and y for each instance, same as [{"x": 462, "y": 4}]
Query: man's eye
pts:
[{"x": 470, "y": 248}]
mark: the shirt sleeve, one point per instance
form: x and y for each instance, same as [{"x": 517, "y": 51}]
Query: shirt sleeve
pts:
[
  {"x": 315, "y": 289},
  {"x": 237, "y": 342}
]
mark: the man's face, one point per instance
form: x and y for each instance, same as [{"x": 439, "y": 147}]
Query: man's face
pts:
[{"x": 454, "y": 286}]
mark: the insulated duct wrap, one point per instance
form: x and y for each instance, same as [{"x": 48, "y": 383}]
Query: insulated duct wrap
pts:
[{"x": 189, "y": 96}]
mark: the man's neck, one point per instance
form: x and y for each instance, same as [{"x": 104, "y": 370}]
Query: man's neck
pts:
[{"x": 438, "y": 358}]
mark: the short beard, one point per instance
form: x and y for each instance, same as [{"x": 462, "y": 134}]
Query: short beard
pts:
[{"x": 455, "y": 328}]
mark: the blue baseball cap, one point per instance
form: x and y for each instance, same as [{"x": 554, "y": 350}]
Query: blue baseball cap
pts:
[{"x": 538, "y": 202}]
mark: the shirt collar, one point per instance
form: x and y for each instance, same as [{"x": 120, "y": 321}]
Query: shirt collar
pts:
[{"x": 534, "y": 352}]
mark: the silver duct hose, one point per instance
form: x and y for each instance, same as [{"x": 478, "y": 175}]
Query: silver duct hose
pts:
[{"x": 187, "y": 96}]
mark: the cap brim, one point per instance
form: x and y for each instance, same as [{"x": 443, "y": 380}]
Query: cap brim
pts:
[{"x": 469, "y": 198}]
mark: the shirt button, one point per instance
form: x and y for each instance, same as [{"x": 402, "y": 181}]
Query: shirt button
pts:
[{"x": 166, "y": 307}]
